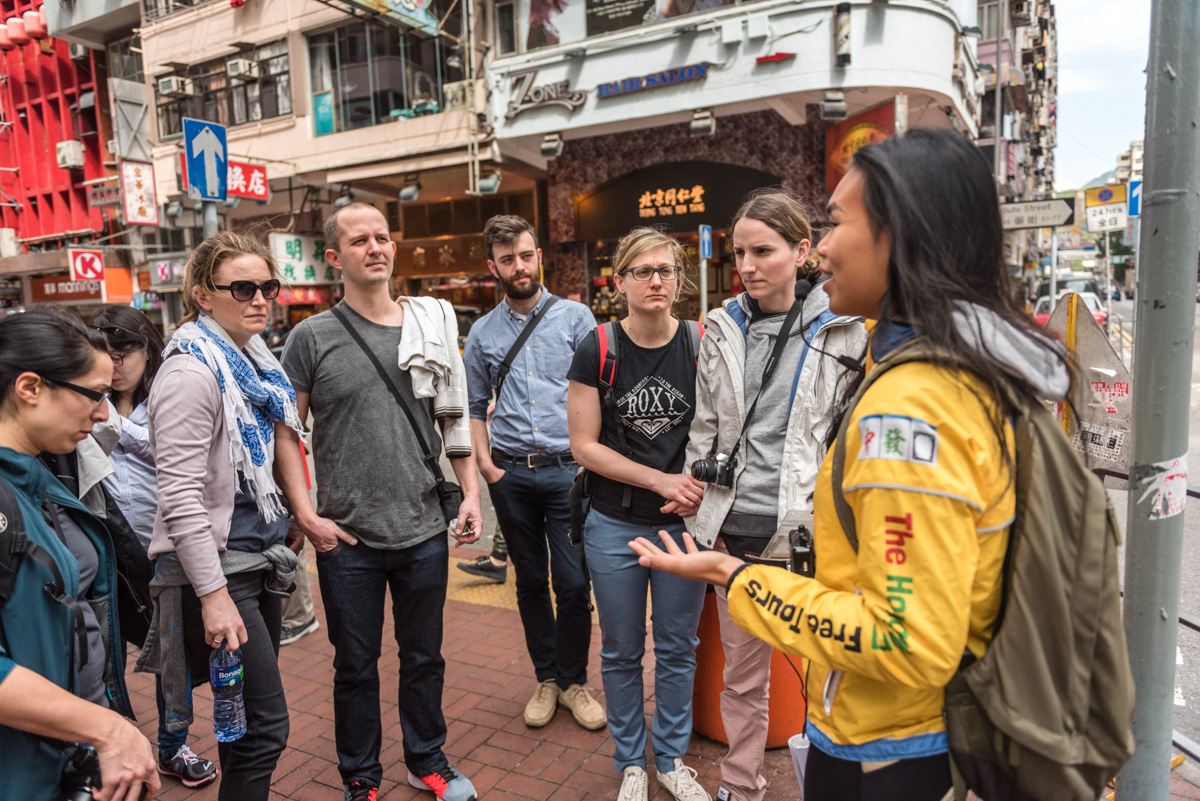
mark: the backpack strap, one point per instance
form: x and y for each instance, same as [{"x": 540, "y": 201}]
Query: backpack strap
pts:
[
  {"x": 530, "y": 324},
  {"x": 12, "y": 540},
  {"x": 607, "y": 335},
  {"x": 695, "y": 334}
]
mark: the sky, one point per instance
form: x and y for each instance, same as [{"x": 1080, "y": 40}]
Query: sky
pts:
[{"x": 1103, "y": 46}]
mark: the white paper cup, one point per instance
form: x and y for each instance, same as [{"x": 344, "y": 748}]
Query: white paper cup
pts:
[{"x": 798, "y": 745}]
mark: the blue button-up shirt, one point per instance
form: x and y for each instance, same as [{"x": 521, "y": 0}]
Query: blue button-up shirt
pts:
[
  {"x": 531, "y": 412},
  {"x": 132, "y": 483}
]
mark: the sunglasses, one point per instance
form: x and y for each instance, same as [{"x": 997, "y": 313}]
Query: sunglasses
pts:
[
  {"x": 120, "y": 338},
  {"x": 245, "y": 290},
  {"x": 93, "y": 395}
]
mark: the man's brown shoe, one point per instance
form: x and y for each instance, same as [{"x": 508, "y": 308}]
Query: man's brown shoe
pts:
[
  {"x": 542, "y": 706},
  {"x": 587, "y": 711}
]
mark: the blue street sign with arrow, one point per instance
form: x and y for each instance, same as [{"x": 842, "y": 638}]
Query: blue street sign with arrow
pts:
[
  {"x": 207, "y": 159},
  {"x": 706, "y": 241},
  {"x": 1135, "y": 198}
]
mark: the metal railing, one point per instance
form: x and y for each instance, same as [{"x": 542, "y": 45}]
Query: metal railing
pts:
[{"x": 157, "y": 9}]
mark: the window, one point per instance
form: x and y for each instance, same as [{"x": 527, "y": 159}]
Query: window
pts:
[
  {"x": 231, "y": 101},
  {"x": 125, "y": 60},
  {"x": 506, "y": 28},
  {"x": 363, "y": 74},
  {"x": 156, "y": 9},
  {"x": 987, "y": 20}
]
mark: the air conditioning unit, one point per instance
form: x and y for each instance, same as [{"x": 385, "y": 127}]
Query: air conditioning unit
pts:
[
  {"x": 1022, "y": 13},
  {"x": 175, "y": 86},
  {"x": 70, "y": 154},
  {"x": 78, "y": 52},
  {"x": 459, "y": 94},
  {"x": 242, "y": 68}
]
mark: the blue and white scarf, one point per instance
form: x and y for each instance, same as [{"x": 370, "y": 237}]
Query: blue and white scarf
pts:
[{"x": 255, "y": 393}]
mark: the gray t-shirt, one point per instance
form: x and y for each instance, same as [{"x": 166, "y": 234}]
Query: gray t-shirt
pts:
[
  {"x": 762, "y": 447},
  {"x": 370, "y": 474},
  {"x": 91, "y": 675}
]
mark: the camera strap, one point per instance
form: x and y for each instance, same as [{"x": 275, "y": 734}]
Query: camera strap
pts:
[{"x": 781, "y": 341}]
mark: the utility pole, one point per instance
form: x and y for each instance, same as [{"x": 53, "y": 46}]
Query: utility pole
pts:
[
  {"x": 210, "y": 218},
  {"x": 1166, "y": 279},
  {"x": 1001, "y": 28},
  {"x": 1107, "y": 302}
]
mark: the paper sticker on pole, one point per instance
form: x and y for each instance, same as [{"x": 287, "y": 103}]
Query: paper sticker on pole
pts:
[{"x": 1166, "y": 484}]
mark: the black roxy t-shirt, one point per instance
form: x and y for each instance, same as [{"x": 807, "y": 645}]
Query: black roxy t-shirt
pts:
[{"x": 655, "y": 395}]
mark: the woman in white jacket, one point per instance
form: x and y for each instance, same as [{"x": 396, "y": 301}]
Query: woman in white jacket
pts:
[{"x": 773, "y": 475}]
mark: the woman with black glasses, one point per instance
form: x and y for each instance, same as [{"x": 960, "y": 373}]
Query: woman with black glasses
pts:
[
  {"x": 136, "y": 347},
  {"x": 219, "y": 531},
  {"x": 62, "y": 662}
]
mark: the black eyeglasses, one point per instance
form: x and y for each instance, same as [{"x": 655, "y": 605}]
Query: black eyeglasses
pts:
[
  {"x": 668, "y": 272},
  {"x": 118, "y": 356},
  {"x": 245, "y": 290},
  {"x": 93, "y": 395}
]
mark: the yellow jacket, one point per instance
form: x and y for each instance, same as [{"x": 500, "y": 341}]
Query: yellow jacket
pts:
[{"x": 885, "y": 630}]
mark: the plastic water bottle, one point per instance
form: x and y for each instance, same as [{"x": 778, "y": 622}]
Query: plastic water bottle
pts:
[{"x": 229, "y": 711}]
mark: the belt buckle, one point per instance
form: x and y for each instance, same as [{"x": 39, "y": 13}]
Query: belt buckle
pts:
[{"x": 529, "y": 460}]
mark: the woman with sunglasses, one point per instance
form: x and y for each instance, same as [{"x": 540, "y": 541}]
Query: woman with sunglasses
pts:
[
  {"x": 631, "y": 436},
  {"x": 219, "y": 531},
  {"x": 136, "y": 347},
  {"x": 60, "y": 676}
]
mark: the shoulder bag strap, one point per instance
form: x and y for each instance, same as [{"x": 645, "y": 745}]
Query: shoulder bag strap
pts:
[
  {"x": 534, "y": 319},
  {"x": 607, "y": 336},
  {"x": 431, "y": 460},
  {"x": 12, "y": 537}
]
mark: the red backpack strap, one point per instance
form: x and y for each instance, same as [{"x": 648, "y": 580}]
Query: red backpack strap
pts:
[{"x": 608, "y": 354}]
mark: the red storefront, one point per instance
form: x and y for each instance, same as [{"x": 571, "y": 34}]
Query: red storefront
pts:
[{"x": 50, "y": 93}]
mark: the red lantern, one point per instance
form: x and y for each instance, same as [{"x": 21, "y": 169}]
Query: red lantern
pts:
[
  {"x": 16, "y": 31},
  {"x": 35, "y": 23},
  {"x": 5, "y": 42}
]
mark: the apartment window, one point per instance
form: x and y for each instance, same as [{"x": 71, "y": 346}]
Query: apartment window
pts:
[
  {"x": 219, "y": 98},
  {"x": 362, "y": 74},
  {"x": 125, "y": 60},
  {"x": 987, "y": 20},
  {"x": 506, "y": 28},
  {"x": 156, "y": 9}
]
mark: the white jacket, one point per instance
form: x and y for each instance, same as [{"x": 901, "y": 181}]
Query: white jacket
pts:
[
  {"x": 721, "y": 405},
  {"x": 429, "y": 352}
]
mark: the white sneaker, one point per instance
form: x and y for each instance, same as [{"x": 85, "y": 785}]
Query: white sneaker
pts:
[
  {"x": 633, "y": 785},
  {"x": 682, "y": 783}
]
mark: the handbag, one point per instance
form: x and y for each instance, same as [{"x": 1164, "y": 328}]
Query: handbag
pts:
[{"x": 450, "y": 495}]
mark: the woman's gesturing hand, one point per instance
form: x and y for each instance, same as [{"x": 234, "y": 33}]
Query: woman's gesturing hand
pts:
[{"x": 712, "y": 567}]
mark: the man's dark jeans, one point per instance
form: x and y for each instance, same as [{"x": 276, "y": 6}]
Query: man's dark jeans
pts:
[
  {"x": 532, "y": 508},
  {"x": 353, "y": 581}
]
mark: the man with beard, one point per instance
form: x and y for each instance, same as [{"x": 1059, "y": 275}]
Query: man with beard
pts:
[{"x": 526, "y": 461}]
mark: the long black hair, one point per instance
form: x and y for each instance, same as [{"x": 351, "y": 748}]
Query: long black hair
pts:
[
  {"x": 932, "y": 191},
  {"x": 53, "y": 344},
  {"x": 128, "y": 329}
]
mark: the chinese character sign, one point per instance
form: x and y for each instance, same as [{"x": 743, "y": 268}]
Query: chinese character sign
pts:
[
  {"x": 669, "y": 202},
  {"x": 249, "y": 181},
  {"x": 302, "y": 259},
  {"x": 138, "y": 193}
]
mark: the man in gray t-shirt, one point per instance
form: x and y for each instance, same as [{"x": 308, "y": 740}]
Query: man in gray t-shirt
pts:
[{"x": 379, "y": 525}]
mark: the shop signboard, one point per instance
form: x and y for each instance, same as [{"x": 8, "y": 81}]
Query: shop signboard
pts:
[
  {"x": 843, "y": 140},
  {"x": 104, "y": 195},
  {"x": 85, "y": 264},
  {"x": 655, "y": 80},
  {"x": 527, "y": 96},
  {"x": 679, "y": 196},
  {"x": 166, "y": 273},
  {"x": 61, "y": 290},
  {"x": 245, "y": 180},
  {"x": 443, "y": 256},
  {"x": 138, "y": 197},
  {"x": 302, "y": 261}
]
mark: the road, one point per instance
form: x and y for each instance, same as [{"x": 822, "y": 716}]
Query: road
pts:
[{"x": 1187, "y": 694}]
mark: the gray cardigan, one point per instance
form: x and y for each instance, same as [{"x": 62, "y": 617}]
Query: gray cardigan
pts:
[{"x": 196, "y": 477}]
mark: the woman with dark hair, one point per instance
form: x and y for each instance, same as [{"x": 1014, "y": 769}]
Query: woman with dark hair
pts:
[
  {"x": 916, "y": 245},
  {"x": 62, "y": 661},
  {"x": 770, "y": 476},
  {"x": 219, "y": 532},
  {"x": 136, "y": 347}
]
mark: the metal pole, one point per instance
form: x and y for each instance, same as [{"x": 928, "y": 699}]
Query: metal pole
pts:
[
  {"x": 1001, "y": 14},
  {"x": 703, "y": 289},
  {"x": 1053, "y": 266},
  {"x": 1137, "y": 255},
  {"x": 210, "y": 218},
  {"x": 1107, "y": 275},
  {"x": 1161, "y": 388}
]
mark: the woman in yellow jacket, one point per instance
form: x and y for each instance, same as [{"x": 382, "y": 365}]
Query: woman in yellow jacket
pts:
[{"x": 916, "y": 245}]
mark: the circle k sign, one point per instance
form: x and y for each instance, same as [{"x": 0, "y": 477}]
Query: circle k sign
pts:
[{"x": 86, "y": 265}]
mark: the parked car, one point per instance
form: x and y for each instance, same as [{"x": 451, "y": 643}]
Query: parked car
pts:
[
  {"x": 1043, "y": 308},
  {"x": 1070, "y": 282}
]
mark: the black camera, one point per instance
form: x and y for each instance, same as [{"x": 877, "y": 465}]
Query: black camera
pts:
[
  {"x": 803, "y": 562},
  {"x": 716, "y": 469},
  {"x": 81, "y": 774}
]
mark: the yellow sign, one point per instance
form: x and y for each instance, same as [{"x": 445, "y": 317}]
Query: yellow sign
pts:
[
  {"x": 664, "y": 203},
  {"x": 1104, "y": 195}
]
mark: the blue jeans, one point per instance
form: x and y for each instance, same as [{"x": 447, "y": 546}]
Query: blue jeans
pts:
[
  {"x": 168, "y": 741},
  {"x": 532, "y": 509},
  {"x": 620, "y": 584},
  {"x": 354, "y": 579}
]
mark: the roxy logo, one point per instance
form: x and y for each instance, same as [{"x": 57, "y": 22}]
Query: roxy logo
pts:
[{"x": 652, "y": 407}]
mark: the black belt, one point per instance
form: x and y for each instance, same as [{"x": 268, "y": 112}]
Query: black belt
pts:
[{"x": 532, "y": 460}]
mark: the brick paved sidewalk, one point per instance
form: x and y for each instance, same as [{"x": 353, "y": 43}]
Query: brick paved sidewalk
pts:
[{"x": 488, "y": 679}]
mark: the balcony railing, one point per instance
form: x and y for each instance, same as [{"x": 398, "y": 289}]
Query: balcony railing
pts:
[{"x": 157, "y": 9}]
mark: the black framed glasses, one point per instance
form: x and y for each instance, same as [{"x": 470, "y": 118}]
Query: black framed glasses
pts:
[
  {"x": 644, "y": 272},
  {"x": 95, "y": 396},
  {"x": 118, "y": 356},
  {"x": 245, "y": 290}
]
